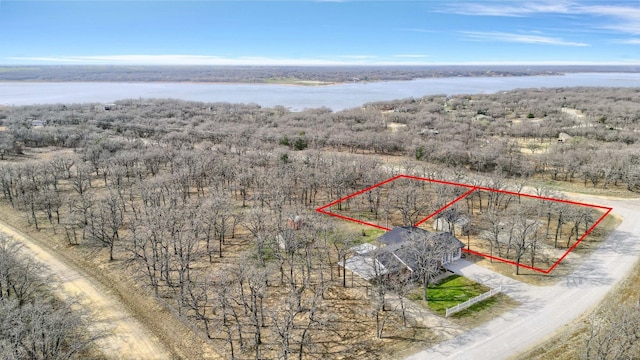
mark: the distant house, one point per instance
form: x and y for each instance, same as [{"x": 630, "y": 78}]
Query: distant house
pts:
[
  {"x": 395, "y": 255},
  {"x": 564, "y": 137},
  {"x": 427, "y": 131},
  {"x": 38, "y": 123},
  {"x": 483, "y": 118}
]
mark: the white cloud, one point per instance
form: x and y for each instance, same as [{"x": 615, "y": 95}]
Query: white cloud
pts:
[
  {"x": 509, "y": 9},
  {"x": 212, "y": 60},
  {"x": 620, "y": 18},
  {"x": 629, "y": 41},
  {"x": 626, "y": 18},
  {"x": 410, "y": 56},
  {"x": 519, "y": 38}
]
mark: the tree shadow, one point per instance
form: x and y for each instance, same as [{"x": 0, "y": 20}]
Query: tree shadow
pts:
[
  {"x": 621, "y": 243},
  {"x": 593, "y": 271}
]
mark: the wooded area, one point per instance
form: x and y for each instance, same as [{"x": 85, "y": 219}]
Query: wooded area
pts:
[
  {"x": 266, "y": 74},
  {"x": 196, "y": 196}
]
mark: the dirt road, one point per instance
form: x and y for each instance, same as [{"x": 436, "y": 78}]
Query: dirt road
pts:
[
  {"x": 126, "y": 337},
  {"x": 546, "y": 310}
]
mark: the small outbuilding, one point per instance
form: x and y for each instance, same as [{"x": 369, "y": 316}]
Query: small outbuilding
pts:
[
  {"x": 295, "y": 222},
  {"x": 459, "y": 227},
  {"x": 564, "y": 137}
]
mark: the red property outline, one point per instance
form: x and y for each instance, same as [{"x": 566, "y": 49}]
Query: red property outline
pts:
[{"x": 472, "y": 189}]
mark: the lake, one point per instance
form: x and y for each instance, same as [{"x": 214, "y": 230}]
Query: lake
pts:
[{"x": 296, "y": 98}]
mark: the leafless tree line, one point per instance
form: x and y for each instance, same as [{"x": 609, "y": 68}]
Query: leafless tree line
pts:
[
  {"x": 483, "y": 133},
  {"x": 252, "y": 74},
  {"x": 33, "y": 323}
]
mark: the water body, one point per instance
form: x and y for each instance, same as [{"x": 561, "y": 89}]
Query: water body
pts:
[{"x": 296, "y": 98}]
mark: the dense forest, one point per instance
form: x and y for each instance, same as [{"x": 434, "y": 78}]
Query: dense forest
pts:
[
  {"x": 199, "y": 197},
  {"x": 588, "y": 135},
  {"x": 284, "y": 74}
]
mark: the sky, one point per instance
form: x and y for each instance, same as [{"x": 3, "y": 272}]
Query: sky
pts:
[{"x": 433, "y": 32}]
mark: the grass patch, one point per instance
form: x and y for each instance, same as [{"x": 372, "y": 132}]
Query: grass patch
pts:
[
  {"x": 369, "y": 235},
  {"x": 452, "y": 291}
]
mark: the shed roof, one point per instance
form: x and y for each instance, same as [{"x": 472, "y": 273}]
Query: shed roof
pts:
[{"x": 364, "y": 266}]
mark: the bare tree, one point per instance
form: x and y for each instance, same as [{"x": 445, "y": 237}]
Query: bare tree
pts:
[
  {"x": 33, "y": 324},
  {"x": 426, "y": 253},
  {"x": 614, "y": 333}
]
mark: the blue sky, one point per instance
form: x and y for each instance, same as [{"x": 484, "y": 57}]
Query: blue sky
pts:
[{"x": 147, "y": 32}]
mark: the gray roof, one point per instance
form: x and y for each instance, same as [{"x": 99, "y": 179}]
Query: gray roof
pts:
[
  {"x": 449, "y": 239},
  {"x": 398, "y": 255},
  {"x": 371, "y": 261},
  {"x": 401, "y": 234}
]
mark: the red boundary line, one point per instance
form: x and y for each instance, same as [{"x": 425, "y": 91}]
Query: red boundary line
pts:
[
  {"x": 353, "y": 220},
  {"x": 473, "y": 189},
  {"x": 499, "y": 191},
  {"x": 505, "y": 261},
  {"x": 446, "y": 206},
  {"x": 579, "y": 240},
  {"x": 436, "y": 181},
  {"x": 541, "y": 197},
  {"x": 358, "y": 193}
]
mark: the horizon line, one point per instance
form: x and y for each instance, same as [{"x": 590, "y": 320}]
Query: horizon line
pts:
[
  {"x": 207, "y": 60},
  {"x": 482, "y": 64}
]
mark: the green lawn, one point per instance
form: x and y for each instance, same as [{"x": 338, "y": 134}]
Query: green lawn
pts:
[
  {"x": 371, "y": 234},
  {"x": 452, "y": 291}
]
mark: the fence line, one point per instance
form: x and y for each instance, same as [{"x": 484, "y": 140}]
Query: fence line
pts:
[{"x": 468, "y": 303}]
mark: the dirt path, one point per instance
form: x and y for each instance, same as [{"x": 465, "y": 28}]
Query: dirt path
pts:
[
  {"x": 126, "y": 337},
  {"x": 545, "y": 310}
]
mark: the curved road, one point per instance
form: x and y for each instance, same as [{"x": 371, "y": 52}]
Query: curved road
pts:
[
  {"x": 545, "y": 310},
  {"x": 125, "y": 337}
]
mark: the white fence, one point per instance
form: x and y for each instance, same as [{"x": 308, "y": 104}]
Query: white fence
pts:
[{"x": 466, "y": 304}]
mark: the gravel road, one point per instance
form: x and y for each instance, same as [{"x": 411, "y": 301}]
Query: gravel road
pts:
[
  {"x": 126, "y": 338},
  {"x": 546, "y": 310}
]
